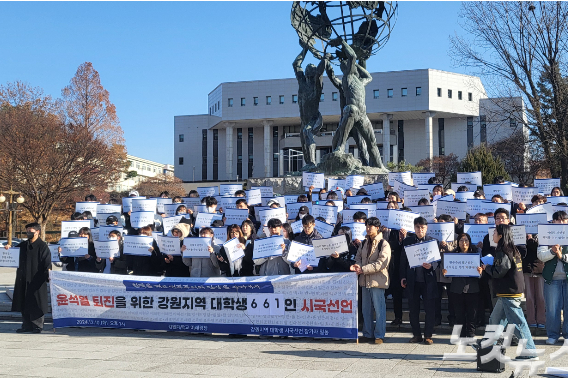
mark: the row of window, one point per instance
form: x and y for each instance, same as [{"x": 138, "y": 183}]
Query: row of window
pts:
[
  {"x": 215, "y": 107},
  {"x": 460, "y": 96},
  {"x": 403, "y": 92}
]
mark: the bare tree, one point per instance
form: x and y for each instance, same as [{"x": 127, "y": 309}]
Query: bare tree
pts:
[
  {"x": 153, "y": 186},
  {"x": 445, "y": 167},
  {"x": 512, "y": 44}
]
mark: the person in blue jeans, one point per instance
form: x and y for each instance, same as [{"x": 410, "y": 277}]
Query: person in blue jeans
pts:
[
  {"x": 555, "y": 274},
  {"x": 371, "y": 265},
  {"x": 508, "y": 286}
]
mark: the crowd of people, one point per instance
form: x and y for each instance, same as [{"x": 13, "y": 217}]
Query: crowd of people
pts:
[{"x": 539, "y": 273}]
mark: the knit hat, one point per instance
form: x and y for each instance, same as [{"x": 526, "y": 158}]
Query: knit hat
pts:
[{"x": 183, "y": 228}]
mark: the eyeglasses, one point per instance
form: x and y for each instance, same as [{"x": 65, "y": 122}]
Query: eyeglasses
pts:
[{"x": 501, "y": 218}]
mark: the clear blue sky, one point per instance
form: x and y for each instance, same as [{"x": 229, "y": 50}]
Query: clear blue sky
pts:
[{"x": 161, "y": 59}]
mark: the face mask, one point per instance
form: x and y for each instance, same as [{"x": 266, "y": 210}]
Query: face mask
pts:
[
  {"x": 30, "y": 235},
  {"x": 302, "y": 216}
]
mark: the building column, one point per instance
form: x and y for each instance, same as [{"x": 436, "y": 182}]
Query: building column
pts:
[
  {"x": 386, "y": 138},
  {"x": 229, "y": 152},
  {"x": 281, "y": 162},
  {"x": 429, "y": 136},
  {"x": 267, "y": 149}
]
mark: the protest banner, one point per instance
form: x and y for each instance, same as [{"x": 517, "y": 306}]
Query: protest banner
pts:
[
  {"x": 442, "y": 231},
  {"x": 107, "y": 249},
  {"x": 325, "y": 229},
  {"x": 421, "y": 253},
  {"x": 197, "y": 247},
  {"x": 327, "y": 247},
  {"x": 137, "y": 245},
  {"x": 411, "y": 197},
  {"x": 143, "y": 205},
  {"x": 329, "y": 213},
  {"x": 317, "y": 180},
  {"x": 257, "y": 211},
  {"x": 267, "y": 247},
  {"x": 297, "y": 226},
  {"x": 476, "y": 232},
  {"x": 333, "y": 184},
  {"x": 339, "y": 205},
  {"x": 531, "y": 221},
  {"x": 236, "y": 216},
  {"x": 10, "y": 258},
  {"x": 430, "y": 187},
  {"x": 354, "y": 200},
  {"x": 553, "y": 234},
  {"x": 105, "y": 230},
  {"x": 422, "y": 177},
  {"x": 381, "y": 205},
  {"x": 207, "y": 191},
  {"x": 232, "y": 250},
  {"x": 74, "y": 247},
  {"x": 127, "y": 203},
  {"x": 375, "y": 191},
  {"x": 404, "y": 177},
  {"x": 465, "y": 196},
  {"x": 545, "y": 186},
  {"x": 254, "y": 197},
  {"x": 427, "y": 212},
  {"x": 229, "y": 189},
  {"x": 291, "y": 199},
  {"x": 265, "y": 191},
  {"x": 470, "y": 187},
  {"x": 454, "y": 208},
  {"x": 524, "y": 195},
  {"x": 354, "y": 181},
  {"x": 169, "y": 245},
  {"x": 268, "y": 214},
  {"x": 369, "y": 210},
  {"x": 470, "y": 177},
  {"x": 519, "y": 235},
  {"x": 462, "y": 264},
  {"x": 81, "y": 207},
  {"x": 504, "y": 190},
  {"x": 141, "y": 219},
  {"x": 358, "y": 230},
  {"x": 399, "y": 219},
  {"x": 76, "y": 225}
]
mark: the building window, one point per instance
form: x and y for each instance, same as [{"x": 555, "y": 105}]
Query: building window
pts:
[
  {"x": 441, "y": 138},
  {"x": 203, "y": 154},
  {"x": 418, "y": 91},
  {"x": 240, "y": 152},
  {"x": 275, "y": 151},
  {"x": 390, "y": 93},
  {"x": 333, "y": 96},
  {"x": 482, "y": 129},
  {"x": 215, "y": 107},
  {"x": 218, "y": 105},
  {"x": 375, "y": 93},
  {"x": 243, "y": 101},
  {"x": 400, "y": 140},
  {"x": 215, "y": 155},
  {"x": 449, "y": 93},
  {"x": 439, "y": 92},
  {"x": 268, "y": 100},
  {"x": 281, "y": 99},
  {"x": 469, "y": 96},
  {"x": 181, "y": 137},
  {"x": 255, "y": 101},
  {"x": 469, "y": 133},
  {"x": 230, "y": 103},
  {"x": 404, "y": 92},
  {"x": 512, "y": 122},
  {"x": 294, "y": 99},
  {"x": 322, "y": 97},
  {"x": 459, "y": 95},
  {"x": 293, "y": 160},
  {"x": 180, "y": 161},
  {"x": 250, "y": 150}
]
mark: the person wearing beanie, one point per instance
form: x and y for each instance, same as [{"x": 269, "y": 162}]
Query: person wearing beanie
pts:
[{"x": 174, "y": 264}]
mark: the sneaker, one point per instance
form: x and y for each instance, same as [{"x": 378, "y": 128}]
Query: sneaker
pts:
[
  {"x": 416, "y": 339},
  {"x": 428, "y": 341},
  {"x": 396, "y": 322},
  {"x": 532, "y": 325},
  {"x": 551, "y": 341},
  {"x": 540, "y": 326},
  {"x": 379, "y": 341}
]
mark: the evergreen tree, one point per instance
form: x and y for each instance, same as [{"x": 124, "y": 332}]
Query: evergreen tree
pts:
[{"x": 481, "y": 159}]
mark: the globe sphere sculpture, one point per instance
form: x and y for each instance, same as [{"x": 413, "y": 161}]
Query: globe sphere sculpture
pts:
[{"x": 364, "y": 25}]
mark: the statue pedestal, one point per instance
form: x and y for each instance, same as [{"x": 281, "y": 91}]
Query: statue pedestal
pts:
[{"x": 339, "y": 163}]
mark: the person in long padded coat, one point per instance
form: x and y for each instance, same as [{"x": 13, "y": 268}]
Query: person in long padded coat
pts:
[
  {"x": 174, "y": 265},
  {"x": 204, "y": 266}
]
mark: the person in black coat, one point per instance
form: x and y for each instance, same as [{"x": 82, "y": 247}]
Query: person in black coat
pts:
[
  {"x": 32, "y": 275},
  {"x": 118, "y": 264},
  {"x": 152, "y": 265},
  {"x": 242, "y": 267},
  {"x": 341, "y": 262},
  {"x": 308, "y": 234}
]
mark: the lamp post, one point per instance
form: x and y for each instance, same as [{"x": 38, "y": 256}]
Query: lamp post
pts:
[{"x": 11, "y": 207}]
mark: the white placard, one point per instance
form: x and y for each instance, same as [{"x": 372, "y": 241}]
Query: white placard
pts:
[
  {"x": 169, "y": 245},
  {"x": 370, "y": 207},
  {"x": 160, "y": 202},
  {"x": 291, "y": 199},
  {"x": 551, "y": 209},
  {"x": 325, "y": 229},
  {"x": 421, "y": 253},
  {"x": 267, "y": 247},
  {"x": 383, "y": 216},
  {"x": 171, "y": 208},
  {"x": 137, "y": 245},
  {"x": 281, "y": 201},
  {"x": 462, "y": 264},
  {"x": 254, "y": 197},
  {"x": 470, "y": 187},
  {"x": 299, "y": 251},
  {"x": 228, "y": 202},
  {"x": 76, "y": 225},
  {"x": 556, "y": 200},
  {"x": 404, "y": 177},
  {"x": 144, "y": 205},
  {"x": 504, "y": 190},
  {"x": 326, "y": 247},
  {"x": 207, "y": 191},
  {"x": 355, "y": 199},
  {"x": 519, "y": 235},
  {"x": 465, "y": 196},
  {"x": 333, "y": 184},
  {"x": 524, "y": 195},
  {"x": 329, "y": 213},
  {"x": 219, "y": 235},
  {"x": 127, "y": 203},
  {"x": 400, "y": 188},
  {"x": 454, "y": 208},
  {"x": 10, "y": 258},
  {"x": 553, "y": 234},
  {"x": 170, "y": 222},
  {"x": 427, "y": 212},
  {"x": 358, "y": 230},
  {"x": 422, "y": 177},
  {"x": 110, "y": 209},
  {"x": 430, "y": 187},
  {"x": 54, "y": 250},
  {"x": 294, "y": 208},
  {"x": 491, "y": 207},
  {"x": 205, "y": 219},
  {"x": 81, "y": 207},
  {"x": 354, "y": 181},
  {"x": 531, "y": 221},
  {"x": 266, "y": 215},
  {"x": 442, "y": 231},
  {"x": 257, "y": 210},
  {"x": 297, "y": 227},
  {"x": 476, "y": 232},
  {"x": 74, "y": 247},
  {"x": 317, "y": 180},
  {"x": 412, "y": 197},
  {"x": 105, "y": 230},
  {"x": 190, "y": 202},
  {"x": 471, "y": 177},
  {"x": 265, "y": 191},
  {"x": 236, "y": 216},
  {"x": 545, "y": 186},
  {"x": 348, "y": 214},
  {"x": 375, "y": 191},
  {"x": 107, "y": 249},
  {"x": 141, "y": 219},
  {"x": 473, "y": 206},
  {"x": 229, "y": 189},
  {"x": 197, "y": 247},
  {"x": 538, "y": 209},
  {"x": 232, "y": 250},
  {"x": 381, "y": 205},
  {"x": 399, "y": 219}
]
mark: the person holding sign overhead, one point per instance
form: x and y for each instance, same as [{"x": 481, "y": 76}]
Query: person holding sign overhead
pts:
[
  {"x": 30, "y": 289},
  {"x": 419, "y": 282},
  {"x": 371, "y": 265},
  {"x": 204, "y": 266},
  {"x": 308, "y": 234}
]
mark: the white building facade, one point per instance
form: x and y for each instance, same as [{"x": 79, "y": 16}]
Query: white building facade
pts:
[
  {"x": 144, "y": 169},
  {"x": 252, "y": 128}
]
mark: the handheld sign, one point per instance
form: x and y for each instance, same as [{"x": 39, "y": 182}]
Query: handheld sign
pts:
[
  {"x": 355, "y": 199},
  {"x": 531, "y": 221},
  {"x": 205, "y": 219},
  {"x": 421, "y": 253},
  {"x": 236, "y": 216},
  {"x": 170, "y": 209},
  {"x": 470, "y": 187},
  {"x": 105, "y": 230},
  {"x": 169, "y": 245},
  {"x": 375, "y": 191},
  {"x": 538, "y": 209},
  {"x": 170, "y": 222},
  {"x": 108, "y": 208},
  {"x": 476, "y": 232},
  {"x": 190, "y": 202},
  {"x": 74, "y": 247},
  {"x": 333, "y": 184},
  {"x": 297, "y": 227},
  {"x": 266, "y": 215},
  {"x": 442, "y": 231},
  {"x": 76, "y": 225},
  {"x": 316, "y": 180},
  {"x": 370, "y": 207},
  {"x": 411, "y": 197},
  {"x": 545, "y": 186},
  {"x": 524, "y": 195},
  {"x": 491, "y": 207},
  {"x": 355, "y": 182},
  {"x": 325, "y": 229},
  {"x": 228, "y": 202},
  {"x": 299, "y": 251},
  {"x": 504, "y": 190},
  {"x": 382, "y": 215},
  {"x": 326, "y": 247},
  {"x": 81, "y": 207},
  {"x": 54, "y": 250},
  {"x": 207, "y": 191},
  {"x": 399, "y": 219},
  {"x": 107, "y": 249},
  {"x": 294, "y": 208},
  {"x": 267, "y": 247},
  {"x": 404, "y": 177},
  {"x": 553, "y": 234},
  {"x": 254, "y": 197},
  {"x": 149, "y": 205},
  {"x": 465, "y": 196},
  {"x": 265, "y": 191},
  {"x": 461, "y": 264},
  {"x": 234, "y": 253},
  {"x": 329, "y": 213},
  {"x": 95, "y": 233},
  {"x": 422, "y": 177},
  {"x": 348, "y": 214},
  {"x": 473, "y": 206},
  {"x": 291, "y": 199},
  {"x": 219, "y": 235},
  {"x": 358, "y": 230},
  {"x": 197, "y": 247},
  {"x": 10, "y": 257},
  {"x": 160, "y": 202},
  {"x": 229, "y": 189},
  {"x": 138, "y": 245},
  {"x": 471, "y": 177},
  {"x": 519, "y": 235},
  {"x": 400, "y": 188},
  {"x": 141, "y": 219},
  {"x": 454, "y": 208},
  {"x": 427, "y": 212},
  {"x": 127, "y": 203}
]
